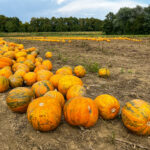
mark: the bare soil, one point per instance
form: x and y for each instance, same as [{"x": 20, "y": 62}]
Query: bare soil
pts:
[{"x": 129, "y": 63}]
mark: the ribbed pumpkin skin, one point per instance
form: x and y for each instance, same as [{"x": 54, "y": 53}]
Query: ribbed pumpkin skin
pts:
[
  {"x": 55, "y": 79},
  {"x": 103, "y": 72},
  {"x": 20, "y": 54},
  {"x": 20, "y": 72},
  {"x": 108, "y": 106},
  {"x": 64, "y": 71},
  {"x": 43, "y": 75},
  {"x": 6, "y": 72},
  {"x": 44, "y": 113},
  {"x": 56, "y": 95},
  {"x": 22, "y": 66},
  {"x": 10, "y": 54},
  {"x": 79, "y": 71},
  {"x": 15, "y": 81},
  {"x": 19, "y": 98},
  {"x": 81, "y": 111},
  {"x": 30, "y": 64},
  {"x": 136, "y": 116},
  {"x": 4, "y": 84},
  {"x": 40, "y": 67},
  {"x": 48, "y": 64},
  {"x": 75, "y": 90},
  {"x": 5, "y": 61},
  {"x": 41, "y": 87},
  {"x": 67, "y": 81},
  {"x": 30, "y": 78}
]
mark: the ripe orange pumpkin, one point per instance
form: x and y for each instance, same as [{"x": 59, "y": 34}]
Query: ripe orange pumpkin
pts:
[
  {"x": 55, "y": 79},
  {"x": 20, "y": 54},
  {"x": 39, "y": 59},
  {"x": 56, "y": 95},
  {"x": 48, "y": 64},
  {"x": 20, "y": 72},
  {"x": 75, "y": 90},
  {"x": 21, "y": 59},
  {"x": 136, "y": 116},
  {"x": 6, "y": 72},
  {"x": 41, "y": 87},
  {"x": 108, "y": 106},
  {"x": 34, "y": 53},
  {"x": 4, "y": 84},
  {"x": 43, "y": 75},
  {"x": 44, "y": 113},
  {"x": 103, "y": 72},
  {"x": 5, "y": 61},
  {"x": 30, "y": 64},
  {"x": 67, "y": 81},
  {"x": 48, "y": 54},
  {"x": 15, "y": 81},
  {"x": 30, "y": 78},
  {"x": 81, "y": 111},
  {"x": 37, "y": 63},
  {"x": 18, "y": 66},
  {"x": 19, "y": 98},
  {"x": 40, "y": 67},
  {"x": 67, "y": 67},
  {"x": 64, "y": 71},
  {"x": 31, "y": 57},
  {"x": 79, "y": 71},
  {"x": 10, "y": 54}
]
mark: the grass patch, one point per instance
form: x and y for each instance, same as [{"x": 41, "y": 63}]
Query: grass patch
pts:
[{"x": 91, "y": 67}]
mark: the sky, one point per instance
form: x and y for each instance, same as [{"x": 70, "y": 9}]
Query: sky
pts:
[{"x": 26, "y": 9}]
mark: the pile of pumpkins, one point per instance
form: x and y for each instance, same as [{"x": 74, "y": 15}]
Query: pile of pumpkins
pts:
[{"x": 47, "y": 95}]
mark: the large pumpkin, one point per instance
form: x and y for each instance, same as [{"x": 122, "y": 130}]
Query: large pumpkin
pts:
[
  {"x": 136, "y": 116},
  {"x": 5, "y": 61},
  {"x": 19, "y": 98},
  {"x": 108, "y": 106},
  {"x": 43, "y": 75},
  {"x": 75, "y": 90},
  {"x": 30, "y": 78},
  {"x": 79, "y": 71},
  {"x": 57, "y": 95},
  {"x": 81, "y": 111},
  {"x": 6, "y": 72},
  {"x": 67, "y": 81},
  {"x": 15, "y": 81},
  {"x": 48, "y": 64},
  {"x": 4, "y": 84},
  {"x": 44, "y": 113},
  {"x": 41, "y": 87},
  {"x": 55, "y": 79}
]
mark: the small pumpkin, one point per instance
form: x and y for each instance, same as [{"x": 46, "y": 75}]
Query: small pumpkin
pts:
[
  {"x": 4, "y": 84},
  {"x": 6, "y": 72},
  {"x": 41, "y": 87},
  {"x": 79, "y": 71},
  {"x": 40, "y": 67},
  {"x": 30, "y": 78},
  {"x": 19, "y": 98},
  {"x": 104, "y": 72},
  {"x": 55, "y": 79},
  {"x": 108, "y": 106},
  {"x": 43, "y": 75},
  {"x": 48, "y": 64},
  {"x": 81, "y": 111},
  {"x": 136, "y": 116},
  {"x": 5, "y": 61},
  {"x": 48, "y": 54},
  {"x": 15, "y": 81},
  {"x": 44, "y": 113}
]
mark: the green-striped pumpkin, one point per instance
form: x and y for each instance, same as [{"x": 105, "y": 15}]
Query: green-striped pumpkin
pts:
[
  {"x": 4, "y": 84},
  {"x": 16, "y": 81},
  {"x": 19, "y": 98},
  {"x": 136, "y": 116},
  {"x": 42, "y": 87}
]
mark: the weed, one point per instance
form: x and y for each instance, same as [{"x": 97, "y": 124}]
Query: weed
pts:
[{"x": 92, "y": 67}]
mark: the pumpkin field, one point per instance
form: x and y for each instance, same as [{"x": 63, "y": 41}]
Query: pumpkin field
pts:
[{"x": 74, "y": 93}]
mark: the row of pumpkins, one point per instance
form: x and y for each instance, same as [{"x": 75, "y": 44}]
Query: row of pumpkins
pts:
[{"x": 44, "y": 104}]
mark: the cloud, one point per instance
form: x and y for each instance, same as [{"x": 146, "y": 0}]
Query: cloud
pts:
[{"x": 60, "y": 1}]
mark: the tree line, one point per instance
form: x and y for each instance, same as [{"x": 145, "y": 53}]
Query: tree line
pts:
[{"x": 125, "y": 21}]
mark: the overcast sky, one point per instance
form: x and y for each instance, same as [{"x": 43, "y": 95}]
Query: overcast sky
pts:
[{"x": 25, "y": 9}]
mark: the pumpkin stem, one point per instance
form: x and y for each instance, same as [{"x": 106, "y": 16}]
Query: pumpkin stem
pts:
[
  {"x": 113, "y": 110},
  {"x": 89, "y": 108},
  {"x": 148, "y": 123}
]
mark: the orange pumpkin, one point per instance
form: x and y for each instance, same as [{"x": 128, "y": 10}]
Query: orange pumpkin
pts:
[
  {"x": 43, "y": 75},
  {"x": 41, "y": 87},
  {"x": 30, "y": 64},
  {"x": 136, "y": 116},
  {"x": 103, "y": 72},
  {"x": 44, "y": 113},
  {"x": 40, "y": 67},
  {"x": 15, "y": 81},
  {"x": 5, "y": 61},
  {"x": 55, "y": 79},
  {"x": 79, "y": 71},
  {"x": 81, "y": 111},
  {"x": 21, "y": 66},
  {"x": 64, "y": 71},
  {"x": 108, "y": 106},
  {"x": 20, "y": 72},
  {"x": 48, "y": 54},
  {"x": 34, "y": 53},
  {"x": 48, "y": 64},
  {"x": 18, "y": 99},
  {"x": 75, "y": 90},
  {"x": 20, "y": 54},
  {"x": 6, "y": 72},
  {"x": 30, "y": 78},
  {"x": 67, "y": 67},
  {"x": 37, "y": 63},
  {"x": 56, "y": 95},
  {"x": 4, "y": 84},
  {"x": 31, "y": 57},
  {"x": 21, "y": 59},
  {"x": 67, "y": 81},
  {"x": 10, "y": 54},
  {"x": 39, "y": 59}
]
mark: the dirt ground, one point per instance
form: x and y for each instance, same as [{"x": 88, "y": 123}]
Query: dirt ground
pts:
[{"x": 129, "y": 63}]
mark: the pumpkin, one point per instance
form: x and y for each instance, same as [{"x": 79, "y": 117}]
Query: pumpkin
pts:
[
  {"x": 136, "y": 116},
  {"x": 79, "y": 71},
  {"x": 48, "y": 64},
  {"x": 20, "y": 46},
  {"x": 22, "y": 66},
  {"x": 55, "y": 79},
  {"x": 30, "y": 64},
  {"x": 81, "y": 111},
  {"x": 10, "y": 54},
  {"x": 5, "y": 61},
  {"x": 44, "y": 113},
  {"x": 20, "y": 54},
  {"x": 30, "y": 78},
  {"x": 4, "y": 84},
  {"x": 37, "y": 63},
  {"x": 40, "y": 67},
  {"x": 43, "y": 75},
  {"x": 39, "y": 59},
  {"x": 67, "y": 67},
  {"x": 67, "y": 81},
  {"x": 56, "y": 95},
  {"x": 19, "y": 98},
  {"x": 108, "y": 106},
  {"x": 15, "y": 81},
  {"x": 6, "y": 72},
  {"x": 75, "y": 90},
  {"x": 48, "y": 54},
  {"x": 21, "y": 59},
  {"x": 41, "y": 87},
  {"x": 31, "y": 57},
  {"x": 34, "y": 53},
  {"x": 20, "y": 72},
  {"x": 103, "y": 72},
  {"x": 64, "y": 71}
]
